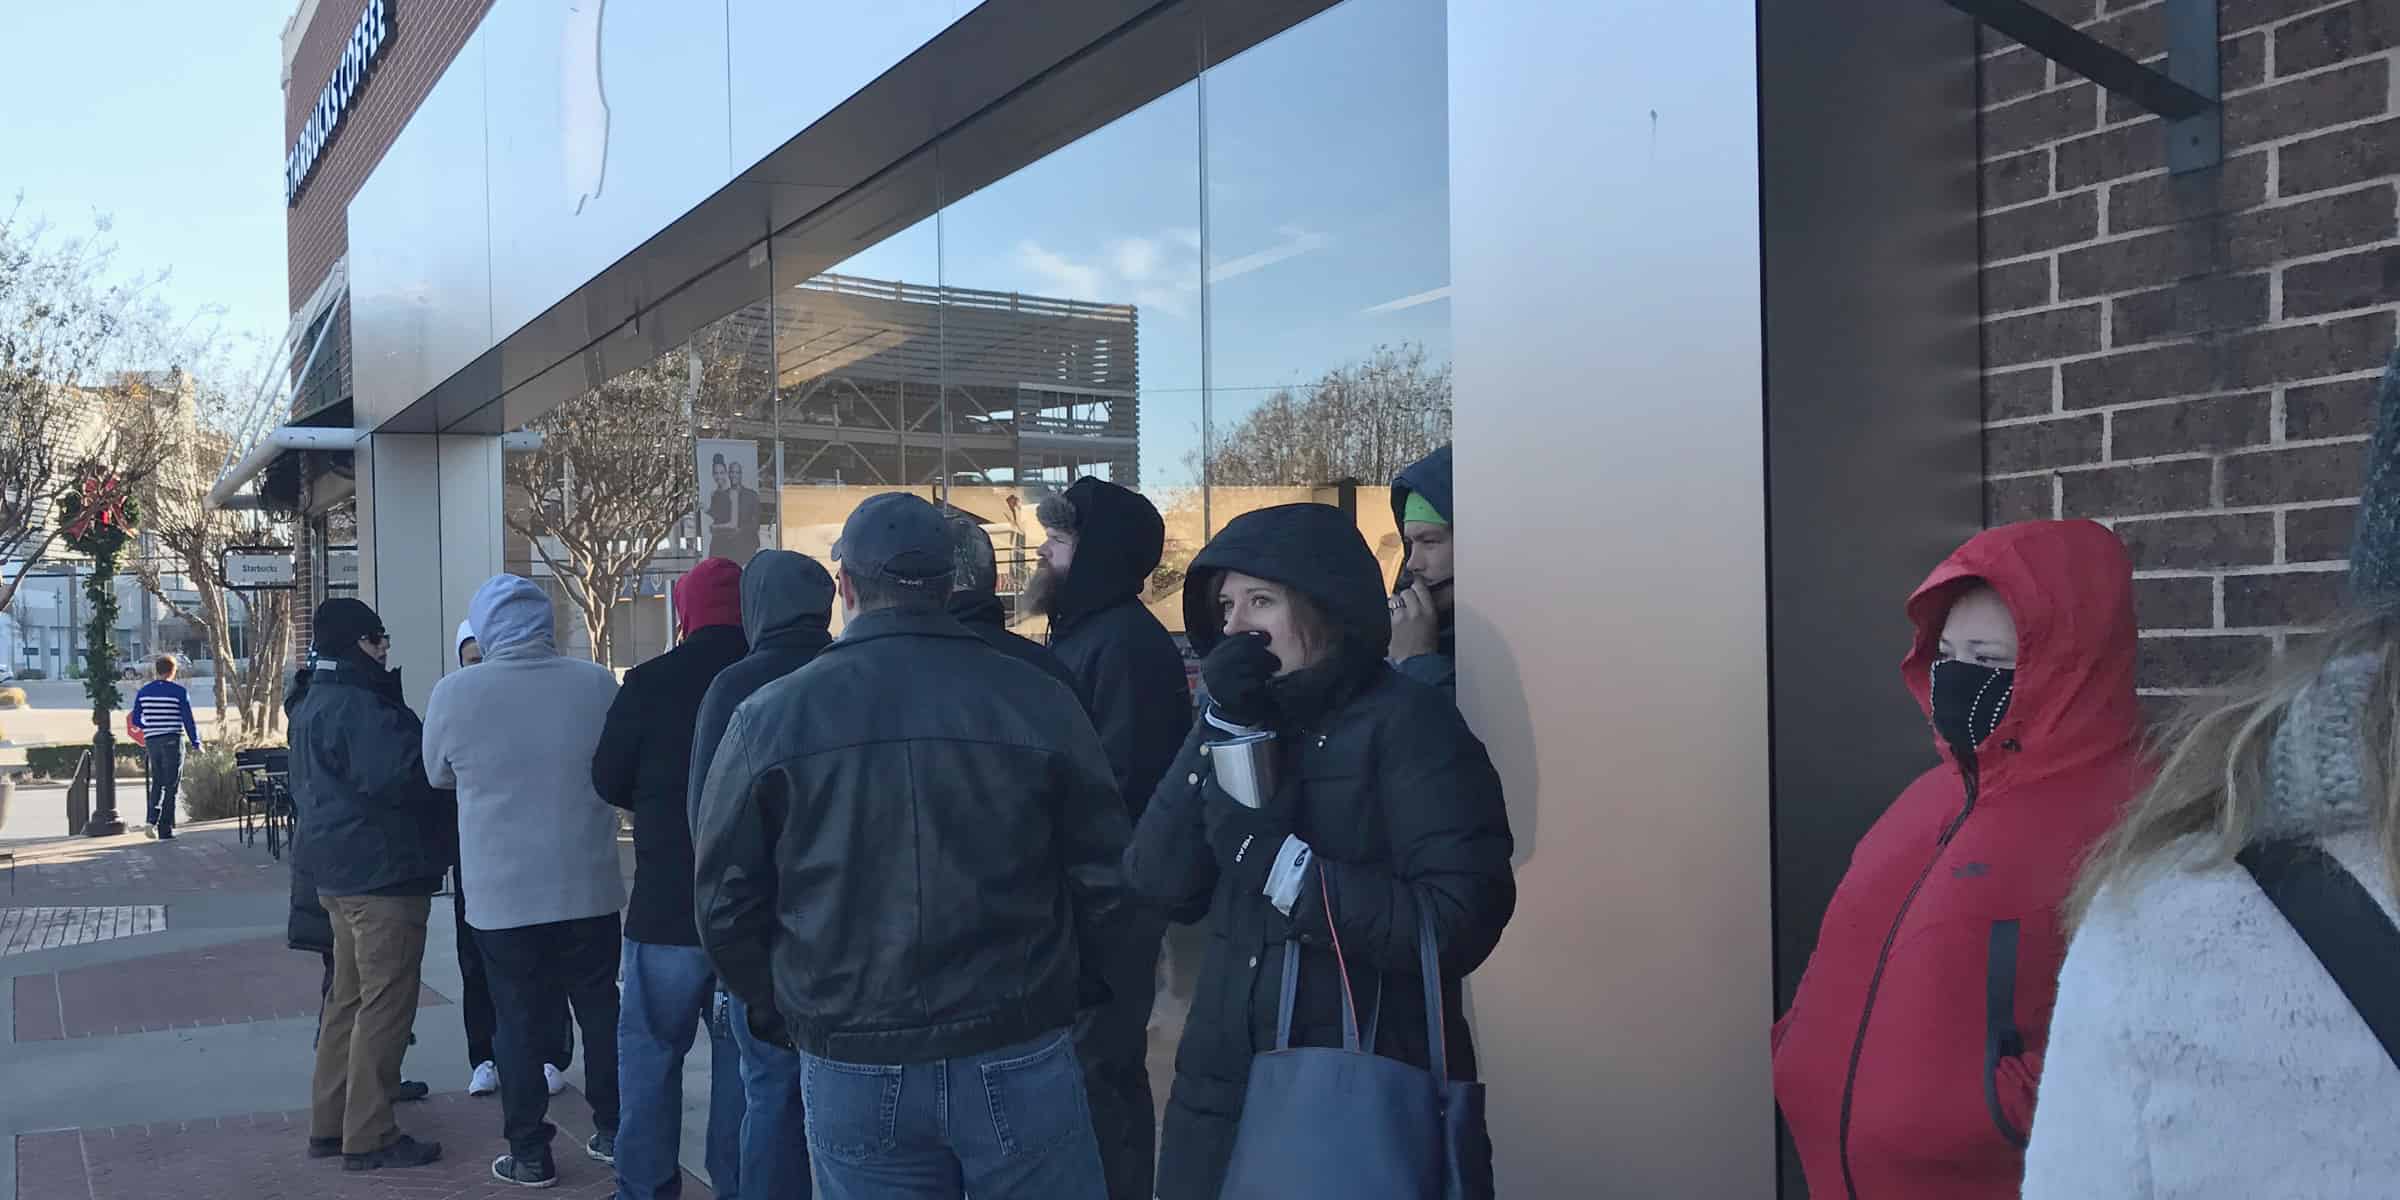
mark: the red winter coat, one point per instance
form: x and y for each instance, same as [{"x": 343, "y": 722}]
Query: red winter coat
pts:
[{"x": 1907, "y": 1064}]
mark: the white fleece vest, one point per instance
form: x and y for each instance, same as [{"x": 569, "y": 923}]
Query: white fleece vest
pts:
[{"x": 2199, "y": 1050}]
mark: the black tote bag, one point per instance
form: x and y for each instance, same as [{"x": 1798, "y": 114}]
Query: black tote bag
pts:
[{"x": 1347, "y": 1124}]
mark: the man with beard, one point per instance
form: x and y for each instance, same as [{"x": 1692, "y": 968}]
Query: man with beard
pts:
[
  {"x": 1104, "y": 541},
  {"x": 1424, "y": 641}
]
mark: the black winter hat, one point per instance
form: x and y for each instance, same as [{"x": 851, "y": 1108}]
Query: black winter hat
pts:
[
  {"x": 338, "y": 625},
  {"x": 1315, "y": 549}
]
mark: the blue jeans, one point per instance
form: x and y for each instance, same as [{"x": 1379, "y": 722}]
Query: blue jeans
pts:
[
  {"x": 667, "y": 996},
  {"x": 774, "y": 1141},
  {"x": 1009, "y": 1125},
  {"x": 163, "y": 758}
]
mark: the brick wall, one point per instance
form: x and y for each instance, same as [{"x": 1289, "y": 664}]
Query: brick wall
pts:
[
  {"x": 426, "y": 35},
  {"x": 2191, "y": 359}
]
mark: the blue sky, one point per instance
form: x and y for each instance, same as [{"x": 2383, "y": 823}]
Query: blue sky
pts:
[{"x": 166, "y": 119}]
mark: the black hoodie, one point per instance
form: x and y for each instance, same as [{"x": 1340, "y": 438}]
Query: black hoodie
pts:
[
  {"x": 1428, "y": 477},
  {"x": 787, "y": 615},
  {"x": 1125, "y": 664},
  {"x": 983, "y": 615}
]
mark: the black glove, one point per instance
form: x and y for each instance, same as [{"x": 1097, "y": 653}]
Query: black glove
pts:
[
  {"x": 1245, "y": 840},
  {"x": 766, "y": 1025},
  {"x": 1237, "y": 673}
]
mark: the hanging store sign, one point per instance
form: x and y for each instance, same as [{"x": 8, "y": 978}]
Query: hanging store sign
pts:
[
  {"x": 259, "y": 568},
  {"x": 366, "y": 42}
]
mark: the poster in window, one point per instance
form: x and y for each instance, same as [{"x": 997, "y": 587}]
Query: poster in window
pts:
[{"x": 729, "y": 506}]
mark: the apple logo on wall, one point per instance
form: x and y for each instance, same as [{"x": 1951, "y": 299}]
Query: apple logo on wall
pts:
[{"x": 582, "y": 103}]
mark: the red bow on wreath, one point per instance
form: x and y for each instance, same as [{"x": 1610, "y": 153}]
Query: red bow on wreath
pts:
[{"x": 103, "y": 498}]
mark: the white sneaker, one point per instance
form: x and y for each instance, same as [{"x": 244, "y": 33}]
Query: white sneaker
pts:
[
  {"x": 556, "y": 1079},
  {"x": 486, "y": 1080}
]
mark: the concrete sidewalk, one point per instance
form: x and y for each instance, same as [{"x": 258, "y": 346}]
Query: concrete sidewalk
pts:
[{"x": 155, "y": 1037}]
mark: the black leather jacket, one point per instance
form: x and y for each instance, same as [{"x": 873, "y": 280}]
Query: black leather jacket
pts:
[{"x": 909, "y": 848}]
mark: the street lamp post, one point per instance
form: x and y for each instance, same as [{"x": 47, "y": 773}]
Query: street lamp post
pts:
[{"x": 96, "y": 515}]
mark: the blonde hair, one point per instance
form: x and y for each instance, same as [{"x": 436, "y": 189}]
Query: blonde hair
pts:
[{"x": 2214, "y": 779}]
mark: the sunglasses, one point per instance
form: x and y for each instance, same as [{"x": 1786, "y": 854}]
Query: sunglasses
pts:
[{"x": 379, "y": 637}]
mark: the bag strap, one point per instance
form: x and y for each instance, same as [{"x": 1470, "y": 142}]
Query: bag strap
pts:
[
  {"x": 2001, "y": 1038},
  {"x": 1291, "y": 984},
  {"x": 1429, "y": 962},
  {"x": 2342, "y": 925}
]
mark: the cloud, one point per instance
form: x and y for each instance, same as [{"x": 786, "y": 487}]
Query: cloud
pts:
[
  {"x": 1137, "y": 259},
  {"x": 1161, "y": 272},
  {"x": 1059, "y": 273},
  {"x": 1296, "y": 242},
  {"x": 1424, "y": 297},
  {"x": 1149, "y": 270}
]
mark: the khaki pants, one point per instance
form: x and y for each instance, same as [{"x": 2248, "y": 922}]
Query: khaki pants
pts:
[{"x": 378, "y": 956}]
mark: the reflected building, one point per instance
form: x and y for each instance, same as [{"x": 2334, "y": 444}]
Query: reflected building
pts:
[{"x": 887, "y": 384}]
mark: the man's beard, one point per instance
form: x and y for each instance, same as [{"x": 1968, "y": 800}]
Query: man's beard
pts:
[{"x": 1041, "y": 591}]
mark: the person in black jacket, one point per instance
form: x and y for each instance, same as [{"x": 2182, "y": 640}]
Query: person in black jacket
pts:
[
  {"x": 374, "y": 839},
  {"x": 975, "y": 600},
  {"x": 1104, "y": 541},
  {"x": 906, "y": 851},
  {"x": 787, "y": 613},
  {"x": 1388, "y": 807},
  {"x": 1424, "y": 635},
  {"x": 644, "y": 765}
]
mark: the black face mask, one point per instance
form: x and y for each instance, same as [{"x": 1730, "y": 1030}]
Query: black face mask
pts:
[{"x": 1969, "y": 700}]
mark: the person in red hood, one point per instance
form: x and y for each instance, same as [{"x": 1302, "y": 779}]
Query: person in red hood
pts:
[
  {"x": 644, "y": 764},
  {"x": 1908, "y": 1062}
]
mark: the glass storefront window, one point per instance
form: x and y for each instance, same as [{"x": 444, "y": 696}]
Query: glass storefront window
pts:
[
  {"x": 1072, "y": 336},
  {"x": 1329, "y": 261},
  {"x": 638, "y": 479},
  {"x": 1233, "y": 295}
]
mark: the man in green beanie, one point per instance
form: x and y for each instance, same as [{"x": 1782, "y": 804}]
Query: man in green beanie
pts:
[{"x": 1423, "y": 642}]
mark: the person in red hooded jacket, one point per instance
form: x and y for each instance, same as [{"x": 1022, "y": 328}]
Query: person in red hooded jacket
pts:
[{"x": 1908, "y": 1062}]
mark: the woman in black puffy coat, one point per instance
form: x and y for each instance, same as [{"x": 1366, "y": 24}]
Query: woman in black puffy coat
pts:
[{"x": 1387, "y": 805}]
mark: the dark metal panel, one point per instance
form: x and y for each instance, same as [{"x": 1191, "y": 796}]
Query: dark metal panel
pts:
[
  {"x": 1871, "y": 255},
  {"x": 2195, "y": 141}
]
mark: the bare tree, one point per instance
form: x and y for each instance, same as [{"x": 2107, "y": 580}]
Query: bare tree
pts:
[
  {"x": 1364, "y": 421},
  {"x": 615, "y": 473},
  {"x": 184, "y": 537},
  {"x": 61, "y": 327}
]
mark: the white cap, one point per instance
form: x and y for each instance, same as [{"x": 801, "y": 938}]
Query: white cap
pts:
[{"x": 458, "y": 645}]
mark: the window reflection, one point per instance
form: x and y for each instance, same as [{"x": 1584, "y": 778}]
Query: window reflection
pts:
[
  {"x": 1260, "y": 323},
  {"x": 1072, "y": 336},
  {"x": 1328, "y": 264},
  {"x": 615, "y": 502}
]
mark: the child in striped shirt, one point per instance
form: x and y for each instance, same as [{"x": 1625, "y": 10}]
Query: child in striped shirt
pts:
[{"x": 162, "y": 710}]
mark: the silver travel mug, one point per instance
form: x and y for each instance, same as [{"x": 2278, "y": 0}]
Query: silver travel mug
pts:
[{"x": 1245, "y": 767}]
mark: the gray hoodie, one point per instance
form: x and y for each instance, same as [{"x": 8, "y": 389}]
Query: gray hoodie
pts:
[{"x": 515, "y": 736}]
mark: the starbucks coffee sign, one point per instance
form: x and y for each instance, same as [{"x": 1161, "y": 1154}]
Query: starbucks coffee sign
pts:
[{"x": 366, "y": 43}]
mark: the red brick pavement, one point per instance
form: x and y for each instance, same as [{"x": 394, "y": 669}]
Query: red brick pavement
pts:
[
  {"x": 133, "y": 868},
  {"x": 263, "y": 1156},
  {"x": 239, "y": 982}
]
